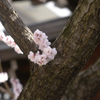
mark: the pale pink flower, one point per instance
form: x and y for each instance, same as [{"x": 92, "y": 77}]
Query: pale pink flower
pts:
[
  {"x": 39, "y": 37},
  {"x": 3, "y": 77},
  {"x": 44, "y": 44},
  {"x": 2, "y": 36},
  {"x": 42, "y": 60},
  {"x": 37, "y": 40},
  {"x": 17, "y": 87},
  {"x": 54, "y": 51},
  {"x": 37, "y": 33},
  {"x": 37, "y": 56},
  {"x": 13, "y": 44},
  {"x": 17, "y": 49},
  {"x": 31, "y": 56},
  {"x": 9, "y": 40},
  {"x": 52, "y": 54},
  {"x": 47, "y": 51},
  {"x": 36, "y": 60},
  {"x": 48, "y": 43}
]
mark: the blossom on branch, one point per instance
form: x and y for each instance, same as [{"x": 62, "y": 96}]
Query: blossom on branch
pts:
[
  {"x": 17, "y": 49},
  {"x": 41, "y": 40},
  {"x": 31, "y": 56},
  {"x": 2, "y": 36},
  {"x": 10, "y": 42},
  {"x": 17, "y": 87}
]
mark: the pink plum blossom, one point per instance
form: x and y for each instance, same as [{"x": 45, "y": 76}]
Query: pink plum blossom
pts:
[
  {"x": 17, "y": 49},
  {"x": 48, "y": 53},
  {"x": 37, "y": 56},
  {"x": 31, "y": 56},
  {"x": 42, "y": 60},
  {"x": 39, "y": 37},
  {"x": 10, "y": 42},
  {"x": 17, "y": 87},
  {"x": 2, "y": 36},
  {"x": 52, "y": 54}
]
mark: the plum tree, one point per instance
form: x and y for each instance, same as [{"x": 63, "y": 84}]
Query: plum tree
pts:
[{"x": 74, "y": 45}]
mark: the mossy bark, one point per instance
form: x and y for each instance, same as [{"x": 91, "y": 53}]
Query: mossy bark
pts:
[{"x": 74, "y": 45}]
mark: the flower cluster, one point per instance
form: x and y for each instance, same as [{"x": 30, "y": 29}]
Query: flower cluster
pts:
[
  {"x": 17, "y": 87},
  {"x": 10, "y": 42},
  {"x": 3, "y": 77},
  {"x": 48, "y": 53}
]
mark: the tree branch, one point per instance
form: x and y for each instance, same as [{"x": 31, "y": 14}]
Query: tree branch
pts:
[
  {"x": 16, "y": 28},
  {"x": 86, "y": 85},
  {"x": 74, "y": 45}
]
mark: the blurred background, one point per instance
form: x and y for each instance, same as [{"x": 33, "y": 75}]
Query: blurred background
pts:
[{"x": 50, "y": 17}]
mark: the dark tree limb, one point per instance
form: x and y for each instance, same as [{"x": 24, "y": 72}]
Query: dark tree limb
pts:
[
  {"x": 86, "y": 85},
  {"x": 74, "y": 45},
  {"x": 16, "y": 28}
]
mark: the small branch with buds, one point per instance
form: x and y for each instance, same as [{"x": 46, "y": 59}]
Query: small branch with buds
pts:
[{"x": 3, "y": 80}]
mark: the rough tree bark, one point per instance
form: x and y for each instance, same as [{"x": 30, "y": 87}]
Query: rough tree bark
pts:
[
  {"x": 74, "y": 45},
  {"x": 86, "y": 85},
  {"x": 16, "y": 28}
]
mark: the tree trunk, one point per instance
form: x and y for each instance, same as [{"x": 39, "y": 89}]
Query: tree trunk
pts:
[
  {"x": 74, "y": 45},
  {"x": 86, "y": 85}
]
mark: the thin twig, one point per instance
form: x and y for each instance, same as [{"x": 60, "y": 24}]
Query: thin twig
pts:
[
  {"x": 6, "y": 84},
  {"x": 7, "y": 87},
  {"x": 3, "y": 90},
  {"x": 1, "y": 70}
]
